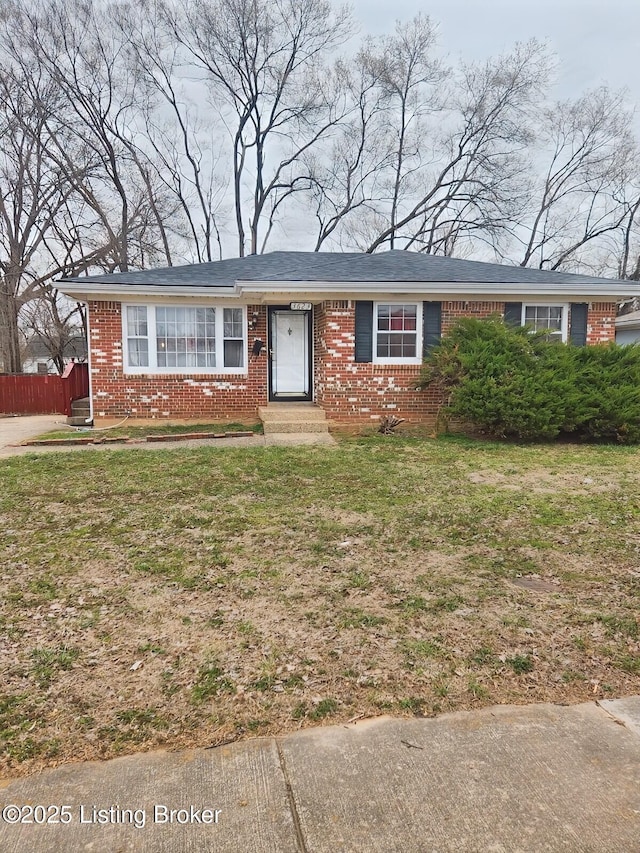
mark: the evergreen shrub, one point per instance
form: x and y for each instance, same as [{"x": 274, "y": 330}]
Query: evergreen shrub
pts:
[{"x": 511, "y": 382}]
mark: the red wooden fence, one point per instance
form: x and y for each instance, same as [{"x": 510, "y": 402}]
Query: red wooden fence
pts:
[{"x": 35, "y": 394}]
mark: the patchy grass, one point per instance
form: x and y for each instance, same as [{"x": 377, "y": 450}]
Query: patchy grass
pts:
[{"x": 194, "y": 596}]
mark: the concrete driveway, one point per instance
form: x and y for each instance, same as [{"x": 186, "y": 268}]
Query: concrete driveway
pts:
[{"x": 15, "y": 430}]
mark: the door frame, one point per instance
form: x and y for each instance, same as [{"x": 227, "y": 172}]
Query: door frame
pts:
[{"x": 292, "y": 398}]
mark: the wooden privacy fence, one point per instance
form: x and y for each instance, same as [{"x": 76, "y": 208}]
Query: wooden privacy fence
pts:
[{"x": 35, "y": 394}]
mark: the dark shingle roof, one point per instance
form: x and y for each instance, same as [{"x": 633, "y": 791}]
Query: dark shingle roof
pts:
[
  {"x": 394, "y": 265},
  {"x": 74, "y": 348}
]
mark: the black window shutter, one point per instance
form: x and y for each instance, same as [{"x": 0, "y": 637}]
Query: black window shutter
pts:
[
  {"x": 364, "y": 331},
  {"x": 513, "y": 313},
  {"x": 578, "y": 334},
  {"x": 431, "y": 326}
]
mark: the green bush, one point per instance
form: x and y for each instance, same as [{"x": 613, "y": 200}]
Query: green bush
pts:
[{"x": 511, "y": 382}]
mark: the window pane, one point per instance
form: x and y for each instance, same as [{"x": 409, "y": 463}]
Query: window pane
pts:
[
  {"x": 555, "y": 318},
  {"x": 544, "y": 318},
  {"x": 136, "y": 321},
  {"x": 233, "y": 353},
  {"x": 138, "y": 349},
  {"x": 396, "y": 346},
  {"x": 233, "y": 322},
  {"x": 185, "y": 337}
]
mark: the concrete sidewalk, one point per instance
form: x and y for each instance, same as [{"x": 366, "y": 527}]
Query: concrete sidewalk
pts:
[{"x": 502, "y": 780}]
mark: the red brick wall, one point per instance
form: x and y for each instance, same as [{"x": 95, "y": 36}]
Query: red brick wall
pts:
[
  {"x": 452, "y": 311},
  {"x": 348, "y": 392},
  {"x": 351, "y": 392},
  {"x": 170, "y": 396},
  {"x": 601, "y": 322}
]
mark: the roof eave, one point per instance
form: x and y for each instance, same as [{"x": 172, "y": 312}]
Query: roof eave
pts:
[
  {"x": 341, "y": 289},
  {"x": 86, "y": 291},
  {"x": 602, "y": 290}
]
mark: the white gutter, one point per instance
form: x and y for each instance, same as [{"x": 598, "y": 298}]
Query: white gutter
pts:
[
  {"x": 89, "y": 348},
  {"x": 89, "y": 290},
  {"x": 316, "y": 290},
  {"x": 628, "y": 321},
  {"x": 442, "y": 289}
]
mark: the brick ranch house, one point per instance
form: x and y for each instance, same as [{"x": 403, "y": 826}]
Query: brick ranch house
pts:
[{"x": 347, "y": 332}]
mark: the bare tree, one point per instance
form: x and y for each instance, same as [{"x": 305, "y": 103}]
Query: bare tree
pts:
[
  {"x": 32, "y": 190},
  {"x": 77, "y": 192},
  {"x": 345, "y": 176},
  {"x": 475, "y": 184},
  {"x": 408, "y": 77},
  {"x": 454, "y": 167},
  {"x": 582, "y": 193},
  {"x": 376, "y": 158},
  {"x": 185, "y": 140},
  {"x": 265, "y": 64},
  {"x": 77, "y": 47},
  {"x": 629, "y": 256},
  {"x": 57, "y": 324}
]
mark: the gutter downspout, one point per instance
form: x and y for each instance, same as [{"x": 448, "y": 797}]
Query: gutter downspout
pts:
[{"x": 89, "y": 420}]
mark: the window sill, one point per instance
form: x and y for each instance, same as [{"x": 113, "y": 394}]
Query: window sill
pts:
[
  {"x": 397, "y": 362},
  {"x": 182, "y": 372}
]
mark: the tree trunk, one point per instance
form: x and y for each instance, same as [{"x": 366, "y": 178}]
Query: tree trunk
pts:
[{"x": 9, "y": 332}]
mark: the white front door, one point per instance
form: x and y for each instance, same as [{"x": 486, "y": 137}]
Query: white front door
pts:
[{"x": 290, "y": 354}]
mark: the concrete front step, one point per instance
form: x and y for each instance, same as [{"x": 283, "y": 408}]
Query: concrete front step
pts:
[
  {"x": 80, "y": 412},
  {"x": 295, "y": 426},
  {"x": 283, "y": 412},
  {"x": 301, "y": 418}
]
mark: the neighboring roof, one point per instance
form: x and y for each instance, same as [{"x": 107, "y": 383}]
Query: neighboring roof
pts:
[
  {"x": 322, "y": 269},
  {"x": 628, "y": 321},
  {"x": 74, "y": 348}
]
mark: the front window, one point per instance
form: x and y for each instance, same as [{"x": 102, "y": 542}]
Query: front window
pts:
[
  {"x": 171, "y": 338},
  {"x": 547, "y": 318},
  {"x": 186, "y": 337},
  {"x": 396, "y": 328},
  {"x": 137, "y": 336}
]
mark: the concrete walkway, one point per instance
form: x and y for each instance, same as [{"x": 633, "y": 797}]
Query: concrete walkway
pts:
[
  {"x": 502, "y": 780},
  {"x": 13, "y": 431}
]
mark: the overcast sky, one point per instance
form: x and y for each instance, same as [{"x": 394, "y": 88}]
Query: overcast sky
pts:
[{"x": 596, "y": 41}]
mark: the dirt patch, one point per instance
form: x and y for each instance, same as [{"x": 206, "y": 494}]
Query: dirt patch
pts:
[
  {"x": 542, "y": 481},
  {"x": 536, "y": 584}
]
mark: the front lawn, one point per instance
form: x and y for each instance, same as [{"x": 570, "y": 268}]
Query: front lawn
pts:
[{"x": 189, "y": 597}]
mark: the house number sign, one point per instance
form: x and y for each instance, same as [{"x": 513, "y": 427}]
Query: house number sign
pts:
[{"x": 300, "y": 306}]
